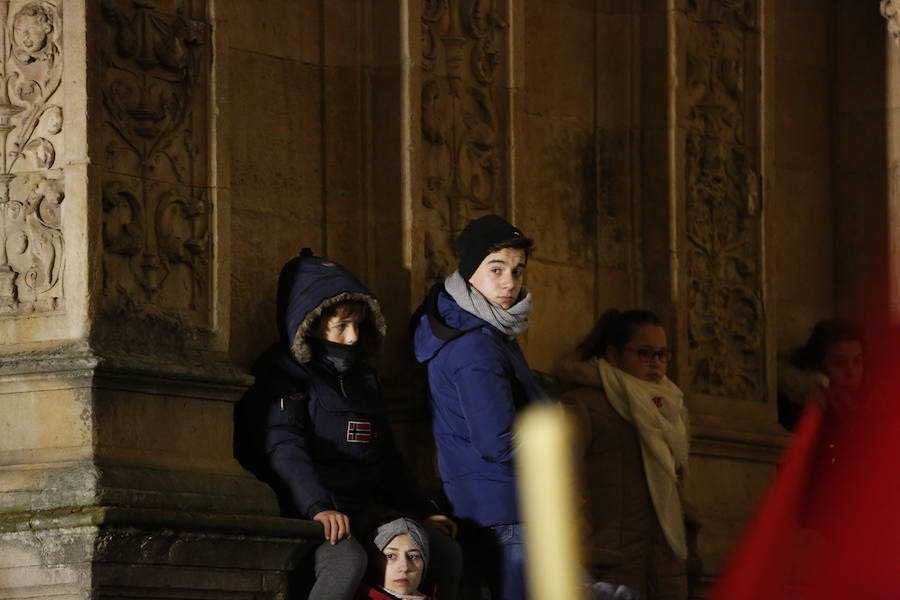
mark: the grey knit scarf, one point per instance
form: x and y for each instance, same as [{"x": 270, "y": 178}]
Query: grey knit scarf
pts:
[{"x": 511, "y": 322}]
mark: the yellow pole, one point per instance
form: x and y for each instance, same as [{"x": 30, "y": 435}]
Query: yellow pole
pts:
[{"x": 546, "y": 479}]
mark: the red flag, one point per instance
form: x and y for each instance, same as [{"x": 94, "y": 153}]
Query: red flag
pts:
[{"x": 829, "y": 525}]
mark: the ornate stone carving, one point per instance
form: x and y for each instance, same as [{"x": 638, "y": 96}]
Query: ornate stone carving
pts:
[
  {"x": 31, "y": 190},
  {"x": 34, "y": 241},
  {"x": 156, "y": 212},
  {"x": 161, "y": 236},
  {"x": 889, "y": 12},
  {"x": 724, "y": 256},
  {"x": 740, "y": 13},
  {"x": 460, "y": 124}
]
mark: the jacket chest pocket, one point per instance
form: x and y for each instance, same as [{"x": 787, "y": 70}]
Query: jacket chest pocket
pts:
[{"x": 347, "y": 435}]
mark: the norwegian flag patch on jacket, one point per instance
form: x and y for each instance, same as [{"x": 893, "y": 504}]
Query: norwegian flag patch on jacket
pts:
[{"x": 359, "y": 431}]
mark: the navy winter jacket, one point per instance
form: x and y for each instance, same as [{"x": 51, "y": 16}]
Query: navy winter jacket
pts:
[
  {"x": 318, "y": 437},
  {"x": 477, "y": 383}
]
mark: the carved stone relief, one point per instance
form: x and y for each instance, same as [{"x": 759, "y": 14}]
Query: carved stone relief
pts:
[
  {"x": 724, "y": 224},
  {"x": 740, "y": 13},
  {"x": 889, "y": 12},
  {"x": 31, "y": 189},
  {"x": 460, "y": 125},
  {"x": 156, "y": 209}
]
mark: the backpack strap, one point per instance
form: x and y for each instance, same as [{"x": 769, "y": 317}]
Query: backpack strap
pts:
[{"x": 440, "y": 329}]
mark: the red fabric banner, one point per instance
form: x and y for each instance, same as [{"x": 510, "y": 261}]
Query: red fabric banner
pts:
[{"x": 829, "y": 525}]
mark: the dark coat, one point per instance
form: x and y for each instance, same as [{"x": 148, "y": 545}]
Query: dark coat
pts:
[
  {"x": 318, "y": 437},
  {"x": 619, "y": 518},
  {"x": 478, "y": 381}
]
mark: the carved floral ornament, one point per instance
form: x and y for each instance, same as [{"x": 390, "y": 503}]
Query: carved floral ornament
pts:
[
  {"x": 31, "y": 190},
  {"x": 733, "y": 12},
  {"x": 155, "y": 207},
  {"x": 460, "y": 126},
  {"x": 889, "y": 11},
  {"x": 724, "y": 253}
]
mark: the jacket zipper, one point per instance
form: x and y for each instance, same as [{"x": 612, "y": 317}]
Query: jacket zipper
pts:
[{"x": 341, "y": 383}]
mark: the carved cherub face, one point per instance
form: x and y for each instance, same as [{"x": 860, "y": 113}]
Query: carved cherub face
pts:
[{"x": 31, "y": 28}]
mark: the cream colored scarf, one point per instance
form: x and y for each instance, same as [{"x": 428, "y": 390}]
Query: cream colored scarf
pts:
[{"x": 657, "y": 412}]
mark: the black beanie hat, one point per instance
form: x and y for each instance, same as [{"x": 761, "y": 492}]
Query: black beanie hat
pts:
[{"x": 479, "y": 235}]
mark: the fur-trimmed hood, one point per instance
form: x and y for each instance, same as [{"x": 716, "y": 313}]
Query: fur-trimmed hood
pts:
[
  {"x": 572, "y": 370},
  {"x": 307, "y": 286}
]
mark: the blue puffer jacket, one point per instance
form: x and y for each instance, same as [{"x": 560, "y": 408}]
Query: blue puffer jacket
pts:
[
  {"x": 478, "y": 381},
  {"x": 320, "y": 438}
]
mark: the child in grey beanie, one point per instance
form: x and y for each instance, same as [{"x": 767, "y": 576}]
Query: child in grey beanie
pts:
[
  {"x": 403, "y": 526},
  {"x": 403, "y": 547}
]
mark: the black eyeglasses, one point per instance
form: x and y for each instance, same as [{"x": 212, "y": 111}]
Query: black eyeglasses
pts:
[{"x": 647, "y": 354}]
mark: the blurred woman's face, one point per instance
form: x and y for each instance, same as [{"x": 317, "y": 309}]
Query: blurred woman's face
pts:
[
  {"x": 844, "y": 364},
  {"x": 645, "y": 356}
]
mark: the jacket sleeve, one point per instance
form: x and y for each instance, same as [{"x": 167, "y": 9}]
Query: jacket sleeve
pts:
[
  {"x": 287, "y": 446},
  {"x": 486, "y": 401}
]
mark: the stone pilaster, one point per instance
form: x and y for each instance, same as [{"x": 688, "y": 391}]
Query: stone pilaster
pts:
[
  {"x": 462, "y": 136},
  {"x": 705, "y": 253},
  {"x": 889, "y": 11},
  {"x": 116, "y": 390}
]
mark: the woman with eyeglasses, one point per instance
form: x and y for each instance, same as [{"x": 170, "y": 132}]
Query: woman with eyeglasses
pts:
[{"x": 632, "y": 436}]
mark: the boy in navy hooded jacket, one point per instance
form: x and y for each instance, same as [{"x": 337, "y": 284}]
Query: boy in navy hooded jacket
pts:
[
  {"x": 478, "y": 381},
  {"x": 313, "y": 427}
]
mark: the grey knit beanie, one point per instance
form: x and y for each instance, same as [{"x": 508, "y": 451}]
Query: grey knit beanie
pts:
[{"x": 401, "y": 526}]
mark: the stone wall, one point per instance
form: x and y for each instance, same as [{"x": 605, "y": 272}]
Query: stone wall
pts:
[
  {"x": 116, "y": 390},
  {"x": 801, "y": 196},
  {"x": 722, "y": 163},
  {"x": 862, "y": 166}
]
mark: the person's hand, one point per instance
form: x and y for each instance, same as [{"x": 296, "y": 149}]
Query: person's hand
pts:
[
  {"x": 443, "y": 524},
  {"x": 336, "y": 525}
]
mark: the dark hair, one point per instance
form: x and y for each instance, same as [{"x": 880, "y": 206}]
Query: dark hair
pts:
[
  {"x": 353, "y": 307},
  {"x": 516, "y": 243},
  {"x": 368, "y": 333},
  {"x": 484, "y": 235},
  {"x": 825, "y": 333},
  {"x": 615, "y": 328}
]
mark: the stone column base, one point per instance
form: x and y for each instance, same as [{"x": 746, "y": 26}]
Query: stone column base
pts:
[{"x": 114, "y": 553}]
